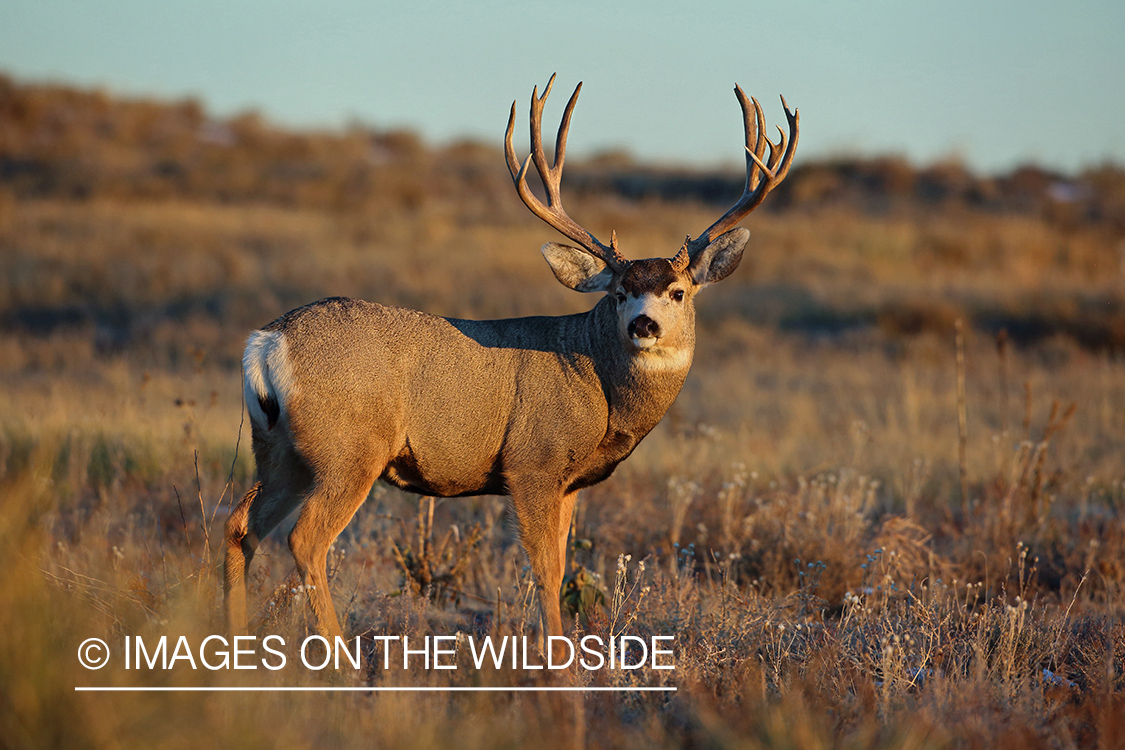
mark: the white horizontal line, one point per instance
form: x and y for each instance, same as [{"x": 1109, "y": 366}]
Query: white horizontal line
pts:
[{"x": 392, "y": 689}]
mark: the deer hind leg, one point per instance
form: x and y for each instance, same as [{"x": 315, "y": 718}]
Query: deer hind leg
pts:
[
  {"x": 325, "y": 514},
  {"x": 260, "y": 511},
  {"x": 239, "y": 552}
]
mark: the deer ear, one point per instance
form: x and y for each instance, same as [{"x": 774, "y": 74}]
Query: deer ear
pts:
[
  {"x": 720, "y": 258},
  {"x": 577, "y": 269}
]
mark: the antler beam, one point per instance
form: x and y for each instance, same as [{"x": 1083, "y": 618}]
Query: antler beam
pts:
[
  {"x": 762, "y": 174},
  {"x": 553, "y": 213}
]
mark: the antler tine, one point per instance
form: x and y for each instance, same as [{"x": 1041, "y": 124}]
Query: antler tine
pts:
[
  {"x": 509, "y": 150},
  {"x": 553, "y": 213},
  {"x": 754, "y": 124},
  {"x": 537, "y": 154},
  {"x": 762, "y": 174},
  {"x": 681, "y": 259},
  {"x": 564, "y": 130},
  {"x": 794, "y": 120}
]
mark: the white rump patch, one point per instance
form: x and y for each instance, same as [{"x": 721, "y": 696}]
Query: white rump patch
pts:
[{"x": 266, "y": 374}]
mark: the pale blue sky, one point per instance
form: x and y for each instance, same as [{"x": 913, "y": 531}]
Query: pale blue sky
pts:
[{"x": 995, "y": 83}]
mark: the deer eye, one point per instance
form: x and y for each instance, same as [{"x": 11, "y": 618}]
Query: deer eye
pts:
[
  {"x": 678, "y": 295},
  {"x": 620, "y": 296}
]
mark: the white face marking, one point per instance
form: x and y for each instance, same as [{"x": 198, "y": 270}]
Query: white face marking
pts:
[
  {"x": 667, "y": 313},
  {"x": 646, "y": 304}
]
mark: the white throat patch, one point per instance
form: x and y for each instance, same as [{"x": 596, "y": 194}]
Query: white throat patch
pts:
[{"x": 661, "y": 358}]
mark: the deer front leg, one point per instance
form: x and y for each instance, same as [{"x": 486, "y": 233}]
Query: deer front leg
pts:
[
  {"x": 544, "y": 518},
  {"x": 566, "y": 516}
]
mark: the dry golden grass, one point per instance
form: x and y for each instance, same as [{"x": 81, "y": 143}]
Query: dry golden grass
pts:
[{"x": 798, "y": 513}]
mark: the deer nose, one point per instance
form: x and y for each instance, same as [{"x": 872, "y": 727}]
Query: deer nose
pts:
[{"x": 643, "y": 327}]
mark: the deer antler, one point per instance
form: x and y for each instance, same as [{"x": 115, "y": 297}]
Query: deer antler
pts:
[
  {"x": 762, "y": 175},
  {"x": 553, "y": 213},
  {"x": 681, "y": 259}
]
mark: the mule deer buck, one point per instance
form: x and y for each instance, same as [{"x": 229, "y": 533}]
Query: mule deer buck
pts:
[{"x": 342, "y": 392}]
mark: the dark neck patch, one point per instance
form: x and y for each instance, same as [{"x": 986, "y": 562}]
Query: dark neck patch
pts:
[{"x": 650, "y": 276}]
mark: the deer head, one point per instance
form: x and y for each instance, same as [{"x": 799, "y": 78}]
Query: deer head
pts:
[{"x": 653, "y": 298}]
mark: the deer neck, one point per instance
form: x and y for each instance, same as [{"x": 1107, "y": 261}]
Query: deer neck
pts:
[{"x": 639, "y": 386}]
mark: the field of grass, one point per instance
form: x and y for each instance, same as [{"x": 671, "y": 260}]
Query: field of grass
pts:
[{"x": 840, "y": 564}]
